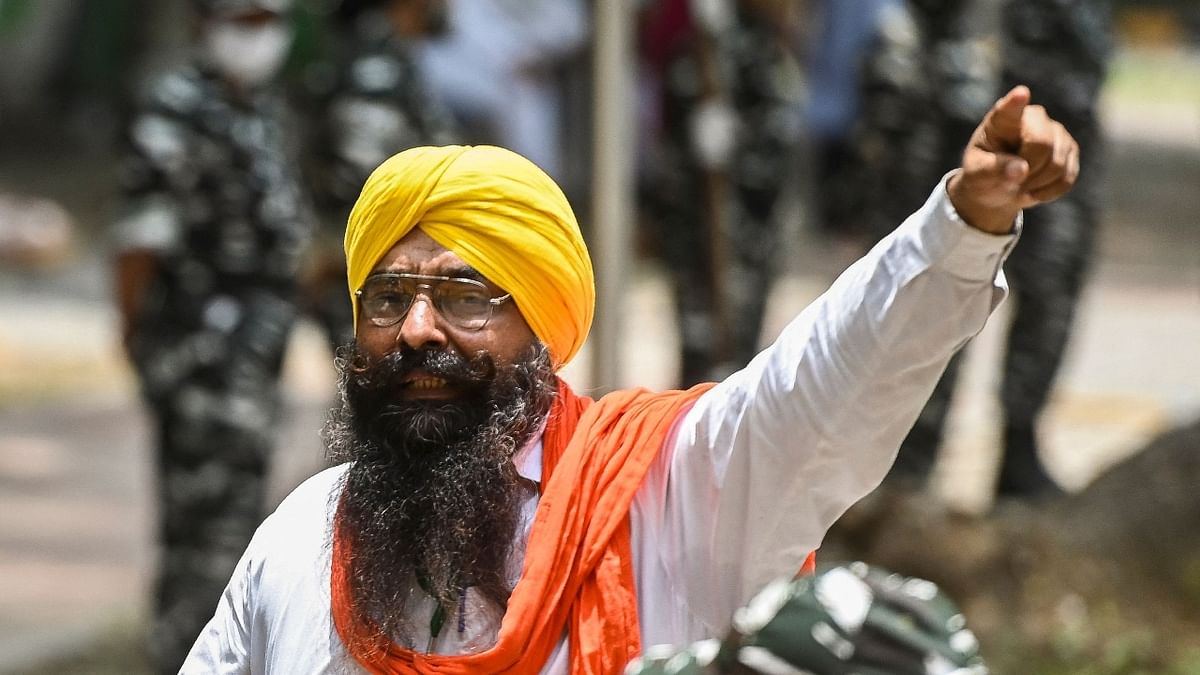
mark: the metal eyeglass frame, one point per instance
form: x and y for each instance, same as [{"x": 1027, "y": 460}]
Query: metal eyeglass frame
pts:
[{"x": 431, "y": 290}]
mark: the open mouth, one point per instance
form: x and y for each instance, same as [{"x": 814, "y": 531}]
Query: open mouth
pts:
[
  {"x": 425, "y": 384},
  {"x": 421, "y": 385}
]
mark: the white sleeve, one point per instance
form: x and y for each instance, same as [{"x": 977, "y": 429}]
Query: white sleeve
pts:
[{"x": 766, "y": 461}]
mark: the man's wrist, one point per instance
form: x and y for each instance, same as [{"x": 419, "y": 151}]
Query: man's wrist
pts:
[{"x": 999, "y": 220}]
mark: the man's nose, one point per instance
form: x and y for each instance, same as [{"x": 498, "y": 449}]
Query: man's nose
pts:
[{"x": 422, "y": 326}]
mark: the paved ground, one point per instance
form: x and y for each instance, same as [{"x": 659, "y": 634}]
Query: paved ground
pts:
[{"x": 75, "y": 471}]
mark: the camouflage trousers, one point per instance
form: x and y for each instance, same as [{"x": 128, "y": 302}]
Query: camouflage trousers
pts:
[
  {"x": 737, "y": 278},
  {"x": 212, "y": 469},
  {"x": 1046, "y": 272}
]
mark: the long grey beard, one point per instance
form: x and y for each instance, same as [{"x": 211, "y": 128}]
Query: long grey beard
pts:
[{"x": 432, "y": 494}]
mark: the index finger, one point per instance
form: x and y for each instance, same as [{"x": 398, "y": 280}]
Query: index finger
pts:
[{"x": 1003, "y": 124}]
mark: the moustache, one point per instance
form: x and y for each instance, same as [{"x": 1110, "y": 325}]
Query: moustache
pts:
[
  {"x": 390, "y": 372},
  {"x": 399, "y": 426}
]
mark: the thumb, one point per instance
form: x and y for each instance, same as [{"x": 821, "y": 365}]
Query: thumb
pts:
[
  {"x": 1002, "y": 128},
  {"x": 997, "y": 167}
]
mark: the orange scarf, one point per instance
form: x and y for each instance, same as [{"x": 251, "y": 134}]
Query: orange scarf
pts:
[{"x": 578, "y": 571}]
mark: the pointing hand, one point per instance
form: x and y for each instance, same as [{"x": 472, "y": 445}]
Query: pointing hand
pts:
[{"x": 1018, "y": 157}]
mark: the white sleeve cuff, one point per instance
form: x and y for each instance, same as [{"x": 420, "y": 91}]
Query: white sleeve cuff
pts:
[{"x": 950, "y": 244}]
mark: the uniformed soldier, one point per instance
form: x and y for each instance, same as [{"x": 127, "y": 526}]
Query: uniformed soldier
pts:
[
  {"x": 932, "y": 69},
  {"x": 731, "y": 127},
  {"x": 927, "y": 76},
  {"x": 209, "y": 244},
  {"x": 376, "y": 105},
  {"x": 1060, "y": 48}
]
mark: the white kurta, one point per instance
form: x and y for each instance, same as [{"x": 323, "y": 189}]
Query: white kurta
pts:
[{"x": 748, "y": 483}]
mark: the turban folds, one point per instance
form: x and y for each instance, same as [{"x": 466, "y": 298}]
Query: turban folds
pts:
[{"x": 498, "y": 212}]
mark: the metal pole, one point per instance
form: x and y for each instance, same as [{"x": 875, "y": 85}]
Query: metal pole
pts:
[{"x": 612, "y": 185}]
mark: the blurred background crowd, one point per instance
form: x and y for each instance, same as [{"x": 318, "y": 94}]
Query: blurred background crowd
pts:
[{"x": 175, "y": 177}]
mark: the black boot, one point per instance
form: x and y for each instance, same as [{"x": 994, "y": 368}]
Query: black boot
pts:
[{"x": 1022, "y": 474}]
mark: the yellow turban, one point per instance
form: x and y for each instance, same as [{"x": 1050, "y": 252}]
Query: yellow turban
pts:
[{"x": 498, "y": 212}]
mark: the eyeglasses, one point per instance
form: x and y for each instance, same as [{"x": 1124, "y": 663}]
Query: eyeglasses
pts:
[{"x": 385, "y": 299}]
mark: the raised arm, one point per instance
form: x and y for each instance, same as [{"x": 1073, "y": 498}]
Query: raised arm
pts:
[{"x": 771, "y": 457}]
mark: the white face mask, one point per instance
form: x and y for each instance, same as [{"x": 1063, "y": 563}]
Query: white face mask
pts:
[{"x": 249, "y": 55}]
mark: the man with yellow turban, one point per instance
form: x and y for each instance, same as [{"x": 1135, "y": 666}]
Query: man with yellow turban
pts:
[{"x": 487, "y": 519}]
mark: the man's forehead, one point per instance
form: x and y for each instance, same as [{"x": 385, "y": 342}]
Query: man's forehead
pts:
[{"x": 418, "y": 253}]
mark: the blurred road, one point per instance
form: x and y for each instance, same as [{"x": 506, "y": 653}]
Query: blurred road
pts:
[{"x": 75, "y": 463}]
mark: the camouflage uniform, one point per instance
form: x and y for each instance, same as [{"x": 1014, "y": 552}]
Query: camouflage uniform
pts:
[
  {"x": 376, "y": 106},
  {"x": 927, "y": 80},
  {"x": 210, "y": 191},
  {"x": 1060, "y": 49},
  {"x": 760, "y": 80}
]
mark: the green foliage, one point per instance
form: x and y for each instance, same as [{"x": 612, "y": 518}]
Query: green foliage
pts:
[
  {"x": 1154, "y": 77},
  {"x": 12, "y": 13},
  {"x": 1189, "y": 580},
  {"x": 1099, "y": 639}
]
